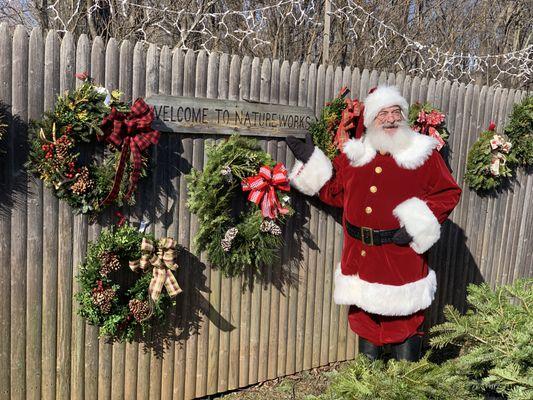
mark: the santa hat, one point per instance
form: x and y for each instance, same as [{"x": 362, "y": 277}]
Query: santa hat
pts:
[{"x": 380, "y": 98}]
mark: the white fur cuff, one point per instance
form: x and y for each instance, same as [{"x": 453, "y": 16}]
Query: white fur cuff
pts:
[
  {"x": 419, "y": 222},
  {"x": 309, "y": 178},
  {"x": 391, "y": 300}
]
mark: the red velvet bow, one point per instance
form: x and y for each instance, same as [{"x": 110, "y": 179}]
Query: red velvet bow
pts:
[
  {"x": 263, "y": 187},
  {"x": 131, "y": 132},
  {"x": 349, "y": 118}
]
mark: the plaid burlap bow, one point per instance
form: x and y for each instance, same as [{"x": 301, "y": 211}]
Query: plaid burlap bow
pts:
[
  {"x": 131, "y": 133},
  {"x": 263, "y": 187},
  {"x": 162, "y": 261}
]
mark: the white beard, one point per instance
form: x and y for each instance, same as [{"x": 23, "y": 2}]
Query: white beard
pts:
[{"x": 390, "y": 142}]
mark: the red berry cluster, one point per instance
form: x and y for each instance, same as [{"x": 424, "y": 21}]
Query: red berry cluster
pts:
[
  {"x": 71, "y": 174},
  {"x": 49, "y": 149}
]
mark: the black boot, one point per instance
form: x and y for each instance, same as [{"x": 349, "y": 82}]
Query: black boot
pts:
[
  {"x": 369, "y": 349},
  {"x": 409, "y": 350}
]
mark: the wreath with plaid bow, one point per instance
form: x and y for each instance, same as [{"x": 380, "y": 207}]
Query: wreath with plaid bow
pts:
[
  {"x": 127, "y": 282},
  {"x": 90, "y": 149},
  {"x": 241, "y": 199}
]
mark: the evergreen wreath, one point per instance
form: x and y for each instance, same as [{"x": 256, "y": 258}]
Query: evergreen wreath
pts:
[
  {"x": 116, "y": 293},
  {"x": 490, "y": 162},
  {"x": 238, "y": 235},
  {"x": 428, "y": 120},
  {"x": 337, "y": 119},
  {"x": 520, "y": 131},
  {"x": 66, "y": 148}
]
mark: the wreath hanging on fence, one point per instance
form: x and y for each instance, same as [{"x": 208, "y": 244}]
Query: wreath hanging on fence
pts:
[
  {"x": 428, "y": 120},
  {"x": 241, "y": 198},
  {"x": 490, "y": 161},
  {"x": 520, "y": 131},
  {"x": 127, "y": 282},
  {"x": 67, "y": 145}
]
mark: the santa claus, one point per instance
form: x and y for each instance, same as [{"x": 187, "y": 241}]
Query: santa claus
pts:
[{"x": 395, "y": 191}]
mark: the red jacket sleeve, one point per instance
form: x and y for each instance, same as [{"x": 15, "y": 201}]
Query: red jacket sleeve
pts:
[
  {"x": 444, "y": 193},
  {"x": 332, "y": 193}
]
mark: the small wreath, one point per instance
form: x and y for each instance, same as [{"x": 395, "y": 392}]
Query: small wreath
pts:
[
  {"x": 338, "y": 119},
  {"x": 66, "y": 147},
  {"x": 490, "y": 161},
  {"x": 239, "y": 232},
  {"x": 122, "y": 282},
  {"x": 428, "y": 120},
  {"x": 520, "y": 131}
]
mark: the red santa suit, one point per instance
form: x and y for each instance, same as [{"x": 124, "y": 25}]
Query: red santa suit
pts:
[{"x": 387, "y": 286}]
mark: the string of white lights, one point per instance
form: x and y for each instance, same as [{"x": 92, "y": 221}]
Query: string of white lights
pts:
[
  {"x": 431, "y": 60},
  {"x": 204, "y": 28}
]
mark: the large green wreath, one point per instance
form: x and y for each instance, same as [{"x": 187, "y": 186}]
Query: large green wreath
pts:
[
  {"x": 68, "y": 151},
  {"x": 232, "y": 230},
  {"x": 111, "y": 295},
  {"x": 520, "y": 131}
]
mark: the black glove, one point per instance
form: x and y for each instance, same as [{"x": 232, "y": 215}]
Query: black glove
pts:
[
  {"x": 401, "y": 237},
  {"x": 301, "y": 150}
]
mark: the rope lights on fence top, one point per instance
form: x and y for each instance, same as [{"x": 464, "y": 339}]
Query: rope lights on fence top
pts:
[{"x": 248, "y": 26}]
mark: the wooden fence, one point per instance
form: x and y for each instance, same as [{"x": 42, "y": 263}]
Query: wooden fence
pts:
[{"x": 224, "y": 336}]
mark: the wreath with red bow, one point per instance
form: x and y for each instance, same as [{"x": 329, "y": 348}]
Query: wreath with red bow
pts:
[
  {"x": 89, "y": 149},
  {"x": 339, "y": 120},
  {"x": 241, "y": 199}
]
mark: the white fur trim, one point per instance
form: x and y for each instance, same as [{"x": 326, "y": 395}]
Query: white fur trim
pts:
[
  {"x": 391, "y": 300},
  {"x": 416, "y": 154},
  {"x": 419, "y": 222},
  {"x": 359, "y": 152},
  {"x": 383, "y": 97},
  {"x": 309, "y": 178}
]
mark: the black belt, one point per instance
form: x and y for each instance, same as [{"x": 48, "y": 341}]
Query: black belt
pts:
[{"x": 369, "y": 236}]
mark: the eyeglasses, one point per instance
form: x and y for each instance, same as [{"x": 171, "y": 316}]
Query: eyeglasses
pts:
[{"x": 397, "y": 114}]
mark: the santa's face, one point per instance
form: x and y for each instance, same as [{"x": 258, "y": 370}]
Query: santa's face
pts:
[{"x": 389, "y": 119}]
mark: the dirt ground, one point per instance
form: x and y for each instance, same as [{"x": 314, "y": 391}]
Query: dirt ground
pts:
[{"x": 301, "y": 386}]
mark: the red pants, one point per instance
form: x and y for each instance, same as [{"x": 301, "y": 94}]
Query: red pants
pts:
[{"x": 380, "y": 329}]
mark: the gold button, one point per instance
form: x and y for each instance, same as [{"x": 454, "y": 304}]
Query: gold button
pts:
[
  {"x": 368, "y": 210},
  {"x": 363, "y": 253},
  {"x": 378, "y": 170},
  {"x": 373, "y": 189}
]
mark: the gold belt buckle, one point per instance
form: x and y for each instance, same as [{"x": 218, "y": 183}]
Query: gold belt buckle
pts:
[{"x": 364, "y": 230}]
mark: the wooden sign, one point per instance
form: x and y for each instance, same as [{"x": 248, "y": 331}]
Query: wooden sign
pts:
[{"x": 226, "y": 117}]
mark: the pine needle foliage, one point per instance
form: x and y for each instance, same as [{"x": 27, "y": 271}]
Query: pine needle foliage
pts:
[
  {"x": 399, "y": 380},
  {"x": 323, "y": 130},
  {"x": 520, "y": 131},
  {"x": 496, "y": 338},
  {"x": 220, "y": 204}
]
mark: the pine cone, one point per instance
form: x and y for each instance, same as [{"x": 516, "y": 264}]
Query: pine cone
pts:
[
  {"x": 83, "y": 183},
  {"x": 141, "y": 310},
  {"x": 275, "y": 230},
  {"x": 103, "y": 298},
  {"x": 228, "y": 238},
  {"x": 269, "y": 226},
  {"x": 109, "y": 262}
]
